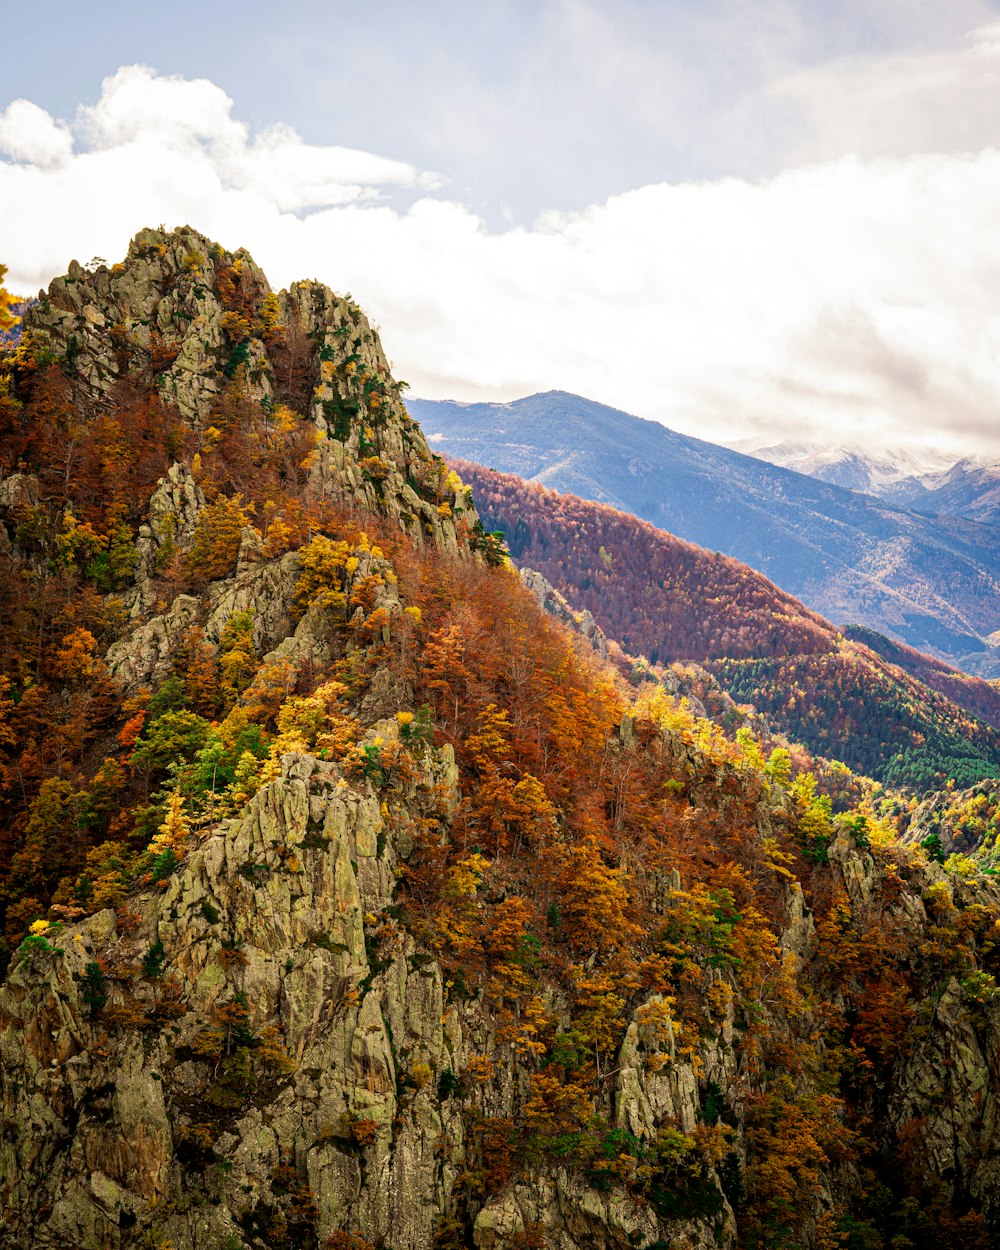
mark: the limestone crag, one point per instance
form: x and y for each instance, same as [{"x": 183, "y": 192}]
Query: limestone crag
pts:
[
  {"x": 265, "y": 590},
  {"x": 274, "y": 910},
  {"x": 162, "y": 293},
  {"x": 575, "y": 1216},
  {"x": 173, "y": 514},
  {"x": 964, "y": 823},
  {"x": 945, "y": 1092},
  {"x": 372, "y": 452},
  {"x": 947, "y": 1088}
]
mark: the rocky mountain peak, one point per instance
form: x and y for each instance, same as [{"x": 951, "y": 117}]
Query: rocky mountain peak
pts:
[{"x": 201, "y": 326}]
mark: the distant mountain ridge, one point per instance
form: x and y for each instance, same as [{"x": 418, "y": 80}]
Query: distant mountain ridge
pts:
[
  {"x": 929, "y": 482},
  {"x": 933, "y": 583},
  {"x": 882, "y": 709},
  {"x": 870, "y": 471},
  {"x": 968, "y": 489}
]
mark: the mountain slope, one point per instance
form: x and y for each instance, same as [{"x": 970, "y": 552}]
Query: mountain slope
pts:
[
  {"x": 980, "y": 697},
  {"x": 672, "y": 600},
  {"x": 351, "y": 903},
  {"x": 934, "y": 584}
]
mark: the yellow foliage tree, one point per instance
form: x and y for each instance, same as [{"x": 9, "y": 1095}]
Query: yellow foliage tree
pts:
[
  {"x": 217, "y": 539},
  {"x": 7, "y": 318}
]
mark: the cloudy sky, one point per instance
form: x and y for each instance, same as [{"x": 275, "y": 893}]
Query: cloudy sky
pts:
[{"x": 739, "y": 217}]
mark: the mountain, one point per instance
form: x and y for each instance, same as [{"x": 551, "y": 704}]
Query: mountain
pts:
[
  {"x": 982, "y": 698},
  {"x": 932, "y": 583},
  {"x": 929, "y": 482},
  {"x": 871, "y": 472},
  {"x": 878, "y": 707},
  {"x": 967, "y": 489},
  {"x": 350, "y": 902}
]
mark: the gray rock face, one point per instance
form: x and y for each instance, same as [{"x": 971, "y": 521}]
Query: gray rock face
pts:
[
  {"x": 173, "y": 516},
  {"x": 145, "y": 655},
  {"x": 282, "y": 918},
  {"x": 17, "y": 488},
  {"x": 945, "y": 1092},
  {"x": 963, "y": 822},
  {"x": 555, "y": 605},
  {"x": 161, "y": 298},
  {"x": 164, "y": 311},
  {"x": 576, "y": 1218},
  {"x": 283, "y": 910}
]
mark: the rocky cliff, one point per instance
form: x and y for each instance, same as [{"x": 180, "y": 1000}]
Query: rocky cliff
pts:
[
  {"x": 265, "y": 1053},
  {"x": 192, "y": 319},
  {"x": 257, "y": 1053},
  {"x": 963, "y": 823}
]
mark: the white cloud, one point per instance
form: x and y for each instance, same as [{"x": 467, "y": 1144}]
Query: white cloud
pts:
[
  {"x": 28, "y": 133},
  {"x": 139, "y": 105},
  {"x": 145, "y": 112},
  {"x": 850, "y": 298},
  {"x": 296, "y": 175}
]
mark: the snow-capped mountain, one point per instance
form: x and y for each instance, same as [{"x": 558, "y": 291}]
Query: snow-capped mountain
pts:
[
  {"x": 872, "y": 472},
  {"x": 927, "y": 479}
]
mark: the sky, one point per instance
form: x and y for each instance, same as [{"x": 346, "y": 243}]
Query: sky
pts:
[{"x": 770, "y": 219}]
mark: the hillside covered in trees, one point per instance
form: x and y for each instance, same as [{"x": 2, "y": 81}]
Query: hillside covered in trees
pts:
[
  {"x": 931, "y": 582},
  {"x": 917, "y": 725},
  {"x": 352, "y": 902}
]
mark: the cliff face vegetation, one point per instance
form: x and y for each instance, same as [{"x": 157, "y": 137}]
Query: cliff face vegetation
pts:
[
  {"x": 883, "y": 709},
  {"x": 352, "y": 902}
]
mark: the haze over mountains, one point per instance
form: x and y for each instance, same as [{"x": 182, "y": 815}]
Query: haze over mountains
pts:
[
  {"x": 870, "y": 471},
  {"x": 932, "y": 583}
]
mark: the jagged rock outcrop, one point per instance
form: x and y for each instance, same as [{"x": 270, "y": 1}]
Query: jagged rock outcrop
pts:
[
  {"x": 172, "y": 519},
  {"x": 265, "y": 590},
  {"x": 963, "y": 822},
  {"x": 17, "y": 491},
  {"x": 263, "y": 1011},
  {"x": 274, "y": 910},
  {"x": 944, "y": 1092},
  {"x": 146, "y": 654},
  {"x": 555, "y": 605},
  {"x": 200, "y": 320},
  {"x": 163, "y": 293},
  {"x": 579, "y": 1217}
]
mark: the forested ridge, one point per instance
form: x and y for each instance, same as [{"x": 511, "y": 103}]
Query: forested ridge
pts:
[
  {"x": 932, "y": 581},
  {"x": 670, "y": 600},
  {"x": 352, "y": 902}
]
